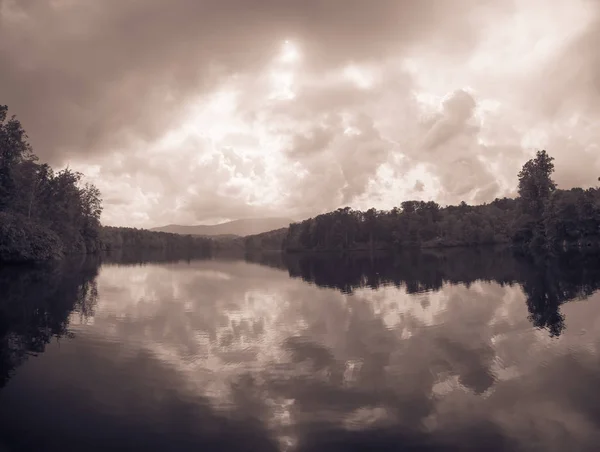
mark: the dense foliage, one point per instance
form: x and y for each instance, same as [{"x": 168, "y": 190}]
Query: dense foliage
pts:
[
  {"x": 114, "y": 238},
  {"x": 43, "y": 213},
  {"x": 542, "y": 216},
  {"x": 271, "y": 240},
  {"x": 416, "y": 223},
  {"x": 21, "y": 240}
]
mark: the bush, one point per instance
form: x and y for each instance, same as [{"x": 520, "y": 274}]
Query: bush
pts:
[{"x": 23, "y": 241}]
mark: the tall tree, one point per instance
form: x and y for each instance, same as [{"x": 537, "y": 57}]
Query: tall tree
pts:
[
  {"x": 535, "y": 188},
  {"x": 14, "y": 151},
  {"x": 536, "y": 184},
  {"x": 32, "y": 193}
]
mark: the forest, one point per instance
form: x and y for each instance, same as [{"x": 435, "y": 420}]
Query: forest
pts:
[
  {"x": 542, "y": 217},
  {"x": 116, "y": 238},
  {"x": 43, "y": 214},
  {"x": 47, "y": 214}
]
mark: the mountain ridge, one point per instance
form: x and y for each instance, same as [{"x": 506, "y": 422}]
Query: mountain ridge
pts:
[{"x": 241, "y": 227}]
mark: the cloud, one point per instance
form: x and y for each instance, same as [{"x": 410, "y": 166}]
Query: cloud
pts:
[
  {"x": 198, "y": 111},
  {"x": 87, "y": 76},
  {"x": 578, "y": 162},
  {"x": 152, "y": 187},
  {"x": 452, "y": 150},
  {"x": 338, "y": 161},
  {"x": 571, "y": 79},
  {"x": 304, "y": 146},
  {"x": 457, "y": 110},
  {"x": 419, "y": 186}
]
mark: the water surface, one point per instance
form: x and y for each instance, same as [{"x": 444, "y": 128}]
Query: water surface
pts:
[{"x": 461, "y": 350}]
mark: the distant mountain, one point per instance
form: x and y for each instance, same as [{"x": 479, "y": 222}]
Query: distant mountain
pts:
[{"x": 250, "y": 226}]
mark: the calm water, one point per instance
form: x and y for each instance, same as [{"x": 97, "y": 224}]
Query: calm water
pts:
[{"x": 463, "y": 350}]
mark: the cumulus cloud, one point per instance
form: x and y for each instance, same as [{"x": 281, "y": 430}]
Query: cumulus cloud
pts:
[
  {"x": 87, "y": 75},
  {"x": 199, "y": 111},
  {"x": 187, "y": 186},
  {"x": 419, "y": 186},
  {"x": 338, "y": 161},
  {"x": 451, "y": 149}
]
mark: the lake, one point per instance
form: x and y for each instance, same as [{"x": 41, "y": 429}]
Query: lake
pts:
[{"x": 455, "y": 350}]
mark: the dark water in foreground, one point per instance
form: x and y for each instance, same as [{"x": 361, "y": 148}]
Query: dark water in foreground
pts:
[{"x": 464, "y": 350}]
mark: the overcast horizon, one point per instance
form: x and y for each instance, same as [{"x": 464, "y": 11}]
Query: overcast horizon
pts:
[{"x": 188, "y": 112}]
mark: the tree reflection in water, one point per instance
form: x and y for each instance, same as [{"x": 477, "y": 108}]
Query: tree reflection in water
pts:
[
  {"x": 216, "y": 355},
  {"x": 548, "y": 281},
  {"x": 36, "y": 303}
]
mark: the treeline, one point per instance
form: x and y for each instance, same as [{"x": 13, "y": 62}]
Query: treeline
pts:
[
  {"x": 541, "y": 217},
  {"x": 414, "y": 224},
  {"x": 43, "y": 214},
  {"x": 140, "y": 257},
  {"x": 117, "y": 238},
  {"x": 46, "y": 214},
  {"x": 271, "y": 240}
]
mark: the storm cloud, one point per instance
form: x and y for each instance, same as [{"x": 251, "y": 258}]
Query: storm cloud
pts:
[
  {"x": 84, "y": 75},
  {"x": 199, "y": 111}
]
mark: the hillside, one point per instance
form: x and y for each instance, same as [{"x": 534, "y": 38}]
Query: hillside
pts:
[
  {"x": 267, "y": 241},
  {"x": 250, "y": 226}
]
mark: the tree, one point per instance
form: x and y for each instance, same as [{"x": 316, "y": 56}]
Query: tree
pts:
[
  {"x": 14, "y": 151},
  {"x": 542, "y": 217},
  {"x": 535, "y": 188},
  {"x": 32, "y": 193},
  {"x": 371, "y": 219},
  {"x": 536, "y": 184}
]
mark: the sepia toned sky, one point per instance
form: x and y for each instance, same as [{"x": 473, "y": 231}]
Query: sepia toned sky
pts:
[{"x": 188, "y": 111}]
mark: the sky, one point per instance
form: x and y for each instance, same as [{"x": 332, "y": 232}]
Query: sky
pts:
[{"x": 197, "y": 112}]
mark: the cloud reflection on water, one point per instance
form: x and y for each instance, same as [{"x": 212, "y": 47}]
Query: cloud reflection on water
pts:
[{"x": 307, "y": 360}]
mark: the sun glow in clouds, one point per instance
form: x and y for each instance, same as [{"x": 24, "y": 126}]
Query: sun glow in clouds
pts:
[
  {"x": 362, "y": 78},
  {"x": 223, "y": 102},
  {"x": 212, "y": 121},
  {"x": 283, "y": 83},
  {"x": 282, "y": 76},
  {"x": 282, "y": 89},
  {"x": 289, "y": 53},
  {"x": 211, "y": 117}
]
